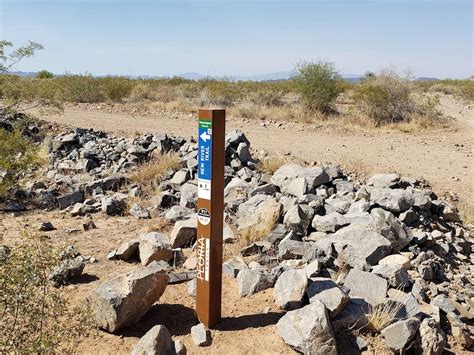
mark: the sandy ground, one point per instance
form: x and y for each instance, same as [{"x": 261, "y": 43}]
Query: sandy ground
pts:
[{"x": 443, "y": 157}]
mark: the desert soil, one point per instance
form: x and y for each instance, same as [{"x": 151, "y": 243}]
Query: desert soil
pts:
[{"x": 443, "y": 157}]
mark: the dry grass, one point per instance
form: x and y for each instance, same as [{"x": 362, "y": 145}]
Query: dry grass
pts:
[
  {"x": 262, "y": 224},
  {"x": 158, "y": 224},
  {"x": 272, "y": 164},
  {"x": 151, "y": 174},
  {"x": 467, "y": 212},
  {"x": 384, "y": 314}
]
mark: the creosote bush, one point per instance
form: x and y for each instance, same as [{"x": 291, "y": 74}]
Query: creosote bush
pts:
[
  {"x": 17, "y": 155},
  {"x": 319, "y": 86},
  {"x": 35, "y": 317}
]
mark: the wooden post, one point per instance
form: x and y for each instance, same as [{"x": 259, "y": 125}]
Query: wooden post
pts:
[{"x": 211, "y": 158}]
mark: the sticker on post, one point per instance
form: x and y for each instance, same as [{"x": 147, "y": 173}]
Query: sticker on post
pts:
[
  {"x": 205, "y": 150},
  {"x": 202, "y": 268},
  {"x": 204, "y": 189},
  {"x": 204, "y": 217}
]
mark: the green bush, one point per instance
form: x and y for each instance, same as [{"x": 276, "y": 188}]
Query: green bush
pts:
[
  {"x": 35, "y": 317},
  {"x": 318, "y": 84},
  {"x": 17, "y": 155},
  {"x": 386, "y": 98},
  {"x": 81, "y": 88},
  {"x": 44, "y": 74},
  {"x": 116, "y": 88}
]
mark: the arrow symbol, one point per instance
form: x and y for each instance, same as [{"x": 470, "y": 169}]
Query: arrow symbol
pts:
[{"x": 205, "y": 136}]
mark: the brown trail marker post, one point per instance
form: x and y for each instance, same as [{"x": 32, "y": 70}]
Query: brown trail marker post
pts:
[{"x": 211, "y": 157}]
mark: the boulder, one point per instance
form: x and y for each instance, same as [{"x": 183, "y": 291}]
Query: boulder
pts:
[
  {"x": 123, "y": 300},
  {"x": 396, "y": 259},
  {"x": 394, "y": 200},
  {"x": 396, "y": 275},
  {"x": 183, "y": 233},
  {"x": 433, "y": 339},
  {"x": 399, "y": 334},
  {"x": 385, "y": 223},
  {"x": 353, "y": 316},
  {"x": 139, "y": 212},
  {"x": 253, "y": 281},
  {"x": 365, "y": 285},
  {"x": 285, "y": 175},
  {"x": 177, "y": 213},
  {"x": 188, "y": 195},
  {"x": 154, "y": 246},
  {"x": 296, "y": 219},
  {"x": 67, "y": 270},
  {"x": 329, "y": 293},
  {"x": 308, "y": 330},
  {"x": 383, "y": 180},
  {"x": 289, "y": 288},
  {"x": 156, "y": 341},
  {"x": 126, "y": 251},
  {"x": 70, "y": 199},
  {"x": 46, "y": 227},
  {"x": 329, "y": 223}
]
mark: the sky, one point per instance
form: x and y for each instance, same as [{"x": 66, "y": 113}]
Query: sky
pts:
[{"x": 246, "y": 37}]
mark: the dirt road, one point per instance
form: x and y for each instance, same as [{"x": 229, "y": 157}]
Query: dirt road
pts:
[{"x": 442, "y": 157}]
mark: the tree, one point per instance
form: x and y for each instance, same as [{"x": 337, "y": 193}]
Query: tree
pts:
[
  {"x": 8, "y": 61},
  {"x": 44, "y": 74},
  {"x": 318, "y": 84}
]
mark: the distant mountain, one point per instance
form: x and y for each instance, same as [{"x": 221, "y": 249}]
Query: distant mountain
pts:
[
  {"x": 425, "y": 78},
  {"x": 24, "y": 74}
]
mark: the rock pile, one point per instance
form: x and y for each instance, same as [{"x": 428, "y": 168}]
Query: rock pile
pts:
[{"x": 338, "y": 253}]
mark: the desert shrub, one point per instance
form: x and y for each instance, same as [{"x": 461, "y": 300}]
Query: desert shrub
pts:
[
  {"x": 266, "y": 97},
  {"x": 150, "y": 174},
  {"x": 271, "y": 164},
  {"x": 386, "y": 98},
  {"x": 17, "y": 155},
  {"x": 461, "y": 88},
  {"x": 44, "y": 74},
  {"x": 36, "y": 318},
  {"x": 318, "y": 84},
  {"x": 116, "y": 88},
  {"x": 81, "y": 88},
  {"x": 141, "y": 92}
]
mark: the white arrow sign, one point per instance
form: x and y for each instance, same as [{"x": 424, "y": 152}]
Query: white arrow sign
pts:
[{"x": 205, "y": 136}]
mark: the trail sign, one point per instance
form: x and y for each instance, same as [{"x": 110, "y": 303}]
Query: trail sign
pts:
[{"x": 211, "y": 157}]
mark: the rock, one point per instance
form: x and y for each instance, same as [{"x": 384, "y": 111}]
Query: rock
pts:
[
  {"x": 88, "y": 225},
  {"x": 258, "y": 213},
  {"x": 253, "y": 281},
  {"x": 399, "y": 334},
  {"x": 77, "y": 210},
  {"x": 179, "y": 179},
  {"x": 177, "y": 213},
  {"x": 285, "y": 175},
  {"x": 115, "y": 205},
  {"x": 232, "y": 267},
  {"x": 329, "y": 293},
  {"x": 180, "y": 277},
  {"x": 67, "y": 270},
  {"x": 297, "y": 187},
  {"x": 228, "y": 235},
  {"x": 385, "y": 223},
  {"x": 266, "y": 189},
  {"x": 46, "y": 227},
  {"x": 139, "y": 212},
  {"x": 201, "y": 335},
  {"x": 308, "y": 330},
  {"x": 70, "y": 199},
  {"x": 188, "y": 195},
  {"x": 337, "y": 203},
  {"x": 243, "y": 151},
  {"x": 165, "y": 199},
  {"x": 292, "y": 249},
  {"x": 296, "y": 219},
  {"x": 127, "y": 251},
  {"x": 154, "y": 246},
  {"x": 183, "y": 233},
  {"x": 359, "y": 246},
  {"x": 123, "y": 300},
  {"x": 383, "y": 180},
  {"x": 396, "y": 275},
  {"x": 365, "y": 285},
  {"x": 192, "y": 288},
  {"x": 179, "y": 348},
  {"x": 394, "y": 200},
  {"x": 353, "y": 316},
  {"x": 396, "y": 259},
  {"x": 443, "y": 303},
  {"x": 312, "y": 269},
  {"x": 329, "y": 223},
  {"x": 432, "y": 337},
  {"x": 290, "y": 288},
  {"x": 156, "y": 341}
]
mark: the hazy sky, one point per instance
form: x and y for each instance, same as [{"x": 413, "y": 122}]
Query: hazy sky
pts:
[{"x": 228, "y": 37}]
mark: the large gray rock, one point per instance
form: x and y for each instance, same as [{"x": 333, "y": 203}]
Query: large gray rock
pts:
[
  {"x": 365, "y": 285},
  {"x": 385, "y": 223},
  {"x": 183, "y": 233},
  {"x": 296, "y": 219},
  {"x": 329, "y": 223},
  {"x": 329, "y": 293},
  {"x": 253, "y": 281},
  {"x": 359, "y": 246},
  {"x": 353, "y": 316},
  {"x": 154, "y": 246},
  {"x": 433, "y": 339},
  {"x": 289, "y": 288},
  {"x": 285, "y": 175},
  {"x": 399, "y": 334},
  {"x": 177, "y": 213},
  {"x": 70, "y": 199},
  {"x": 126, "y": 251},
  {"x": 188, "y": 195},
  {"x": 394, "y": 200},
  {"x": 139, "y": 212},
  {"x": 179, "y": 179},
  {"x": 122, "y": 301},
  {"x": 308, "y": 330},
  {"x": 383, "y": 180},
  {"x": 156, "y": 341},
  {"x": 292, "y": 249},
  {"x": 259, "y": 214},
  {"x": 396, "y": 275}
]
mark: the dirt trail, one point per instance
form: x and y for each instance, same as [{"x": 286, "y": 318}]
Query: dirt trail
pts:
[{"x": 443, "y": 157}]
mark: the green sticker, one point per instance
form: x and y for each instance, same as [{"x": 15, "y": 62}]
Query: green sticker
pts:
[{"x": 205, "y": 123}]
